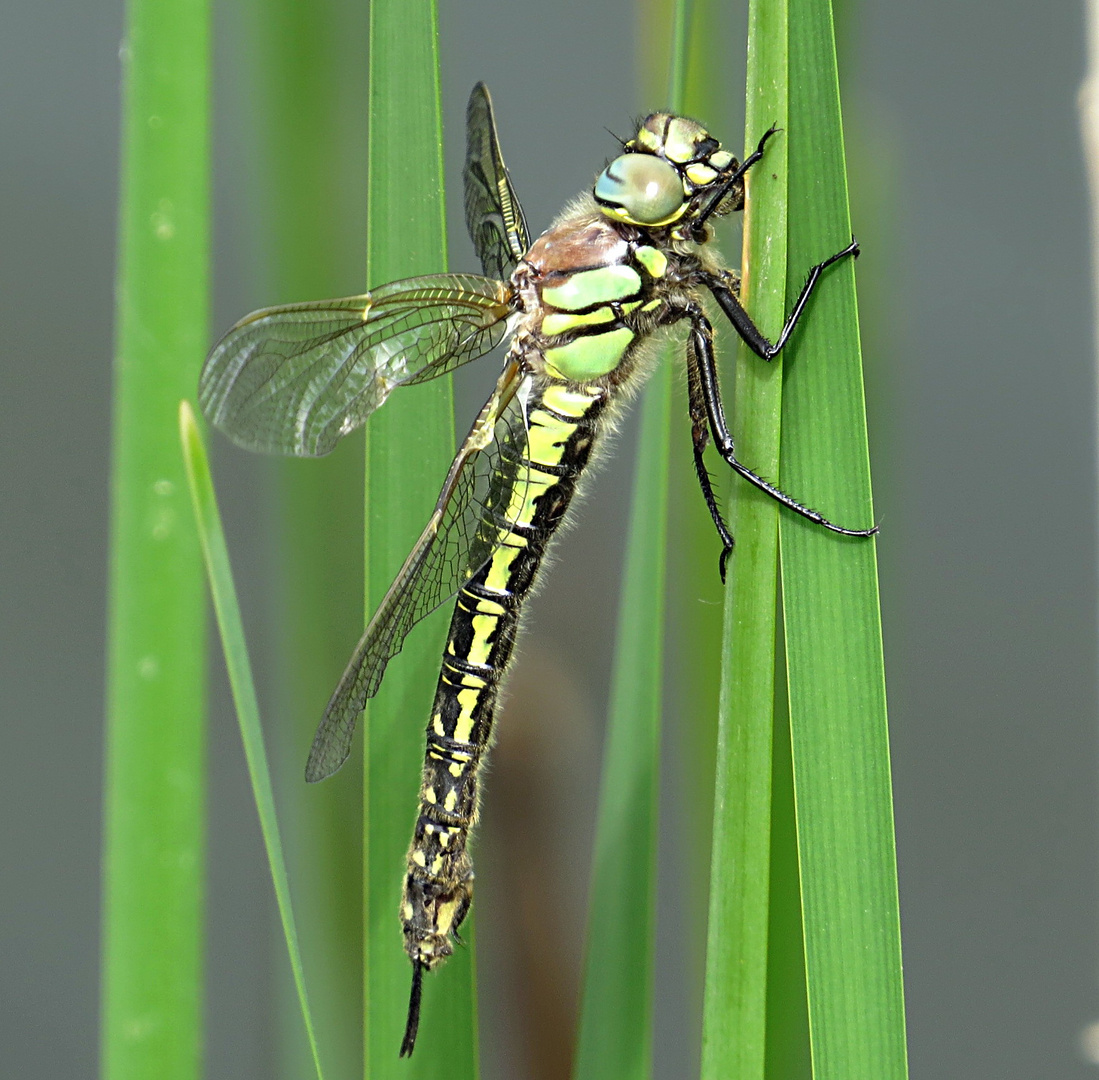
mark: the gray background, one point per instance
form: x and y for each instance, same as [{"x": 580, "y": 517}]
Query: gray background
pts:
[{"x": 966, "y": 156}]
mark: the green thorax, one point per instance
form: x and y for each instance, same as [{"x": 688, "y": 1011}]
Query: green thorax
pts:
[{"x": 591, "y": 281}]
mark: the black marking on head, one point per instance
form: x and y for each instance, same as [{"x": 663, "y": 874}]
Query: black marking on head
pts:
[{"x": 705, "y": 148}]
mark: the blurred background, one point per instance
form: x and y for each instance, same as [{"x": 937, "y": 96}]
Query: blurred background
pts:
[{"x": 968, "y": 196}]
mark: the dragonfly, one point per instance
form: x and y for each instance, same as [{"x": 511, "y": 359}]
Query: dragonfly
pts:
[{"x": 582, "y": 306}]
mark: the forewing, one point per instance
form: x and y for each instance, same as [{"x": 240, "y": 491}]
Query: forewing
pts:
[
  {"x": 494, "y": 217},
  {"x": 481, "y": 495},
  {"x": 296, "y": 379}
]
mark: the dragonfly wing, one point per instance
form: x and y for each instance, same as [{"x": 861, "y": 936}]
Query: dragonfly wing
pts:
[
  {"x": 296, "y": 379},
  {"x": 483, "y": 490},
  {"x": 494, "y": 217}
]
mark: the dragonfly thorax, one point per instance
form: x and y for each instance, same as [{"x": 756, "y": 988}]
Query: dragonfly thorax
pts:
[{"x": 592, "y": 289}]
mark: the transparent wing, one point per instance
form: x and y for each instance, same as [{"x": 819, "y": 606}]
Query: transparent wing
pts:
[
  {"x": 296, "y": 379},
  {"x": 494, "y": 217},
  {"x": 484, "y": 488}
]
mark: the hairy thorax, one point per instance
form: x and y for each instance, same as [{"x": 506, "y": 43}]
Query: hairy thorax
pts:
[{"x": 592, "y": 290}]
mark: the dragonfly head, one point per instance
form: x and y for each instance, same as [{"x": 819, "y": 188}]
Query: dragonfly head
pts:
[{"x": 673, "y": 173}]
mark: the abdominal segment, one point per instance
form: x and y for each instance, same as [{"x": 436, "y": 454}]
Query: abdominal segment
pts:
[{"x": 438, "y": 889}]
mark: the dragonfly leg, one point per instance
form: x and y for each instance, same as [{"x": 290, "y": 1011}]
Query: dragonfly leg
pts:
[
  {"x": 700, "y": 436},
  {"x": 742, "y": 322},
  {"x": 734, "y": 185},
  {"x": 702, "y": 345}
]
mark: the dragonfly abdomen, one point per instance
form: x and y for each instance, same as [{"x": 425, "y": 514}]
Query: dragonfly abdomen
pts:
[{"x": 563, "y": 425}]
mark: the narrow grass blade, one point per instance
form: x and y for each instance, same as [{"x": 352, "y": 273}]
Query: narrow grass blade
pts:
[
  {"x": 154, "y": 863},
  {"x": 615, "y": 1036},
  {"x": 734, "y": 1008},
  {"x": 616, "y": 1018},
  {"x": 832, "y": 622},
  {"x": 229, "y": 623},
  {"x": 410, "y": 445}
]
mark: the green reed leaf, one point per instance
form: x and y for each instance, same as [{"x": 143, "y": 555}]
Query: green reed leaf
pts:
[
  {"x": 155, "y": 786},
  {"x": 832, "y": 621},
  {"x": 227, "y": 611},
  {"x": 734, "y": 1010},
  {"x": 410, "y": 444}
]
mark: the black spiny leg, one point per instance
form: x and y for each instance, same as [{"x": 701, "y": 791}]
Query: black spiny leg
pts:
[
  {"x": 702, "y": 344},
  {"x": 413, "y": 1024},
  {"x": 700, "y": 436},
  {"x": 742, "y": 321}
]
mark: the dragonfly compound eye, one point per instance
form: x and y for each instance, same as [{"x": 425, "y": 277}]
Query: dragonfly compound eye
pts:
[{"x": 640, "y": 189}]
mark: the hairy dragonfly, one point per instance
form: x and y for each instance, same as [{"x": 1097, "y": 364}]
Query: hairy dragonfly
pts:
[{"x": 581, "y": 305}]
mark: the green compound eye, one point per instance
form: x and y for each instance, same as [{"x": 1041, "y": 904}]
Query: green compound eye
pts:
[{"x": 640, "y": 189}]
